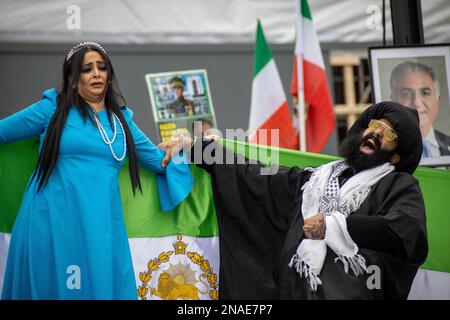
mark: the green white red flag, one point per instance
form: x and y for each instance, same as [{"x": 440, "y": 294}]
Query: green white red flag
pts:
[
  {"x": 320, "y": 119},
  {"x": 269, "y": 107}
]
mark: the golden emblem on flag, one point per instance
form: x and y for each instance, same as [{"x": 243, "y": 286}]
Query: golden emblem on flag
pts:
[{"x": 178, "y": 280}]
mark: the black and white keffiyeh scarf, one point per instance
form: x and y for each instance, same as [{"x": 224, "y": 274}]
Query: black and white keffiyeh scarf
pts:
[{"x": 323, "y": 194}]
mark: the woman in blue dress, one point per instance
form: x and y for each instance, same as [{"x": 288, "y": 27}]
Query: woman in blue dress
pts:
[{"x": 69, "y": 240}]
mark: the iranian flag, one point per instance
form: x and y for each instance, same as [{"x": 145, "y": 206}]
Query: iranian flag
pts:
[
  {"x": 308, "y": 63},
  {"x": 269, "y": 107},
  {"x": 180, "y": 247}
]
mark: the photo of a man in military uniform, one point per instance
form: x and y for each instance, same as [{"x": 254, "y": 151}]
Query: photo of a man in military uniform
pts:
[{"x": 181, "y": 107}]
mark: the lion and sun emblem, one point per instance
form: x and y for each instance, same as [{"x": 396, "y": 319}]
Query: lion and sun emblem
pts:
[{"x": 178, "y": 281}]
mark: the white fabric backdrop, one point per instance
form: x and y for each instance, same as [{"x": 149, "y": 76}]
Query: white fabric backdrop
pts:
[{"x": 202, "y": 21}]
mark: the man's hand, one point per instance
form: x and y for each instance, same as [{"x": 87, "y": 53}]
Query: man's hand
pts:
[
  {"x": 314, "y": 227},
  {"x": 213, "y": 137}
]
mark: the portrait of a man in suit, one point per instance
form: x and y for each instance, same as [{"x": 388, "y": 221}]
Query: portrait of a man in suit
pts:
[{"x": 415, "y": 85}]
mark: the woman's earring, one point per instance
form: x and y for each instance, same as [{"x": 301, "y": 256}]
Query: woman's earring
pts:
[{"x": 74, "y": 86}]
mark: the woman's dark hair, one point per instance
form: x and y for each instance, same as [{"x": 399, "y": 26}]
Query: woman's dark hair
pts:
[{"x": 67, "y": 97}]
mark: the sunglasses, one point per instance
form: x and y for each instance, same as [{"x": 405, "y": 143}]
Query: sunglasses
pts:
[{"x": 388, "y": 133}]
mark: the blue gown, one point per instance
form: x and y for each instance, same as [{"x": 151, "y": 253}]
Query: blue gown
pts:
[{"x": 69, "y": 240}]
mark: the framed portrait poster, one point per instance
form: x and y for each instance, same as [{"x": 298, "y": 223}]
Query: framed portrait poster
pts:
[
  {"x": 418, "y": 77},
  {"x": 178, "y": 99}
]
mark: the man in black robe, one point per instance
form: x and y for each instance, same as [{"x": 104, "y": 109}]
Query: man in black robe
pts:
[{"x": 262, "y": 226}]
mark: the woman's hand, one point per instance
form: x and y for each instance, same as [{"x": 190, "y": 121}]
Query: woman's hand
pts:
[{"x": 174, "y": 146}]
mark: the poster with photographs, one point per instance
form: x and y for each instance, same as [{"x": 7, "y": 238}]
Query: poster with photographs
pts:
[
  {"x": 179, "y": 99},
  {"x": 418, "y": 77}
]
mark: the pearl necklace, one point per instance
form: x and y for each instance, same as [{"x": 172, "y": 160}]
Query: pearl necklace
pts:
[{"x": 105, "y": 137}]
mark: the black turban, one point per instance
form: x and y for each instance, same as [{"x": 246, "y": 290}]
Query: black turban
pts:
[{"x": 405, "y": 122}]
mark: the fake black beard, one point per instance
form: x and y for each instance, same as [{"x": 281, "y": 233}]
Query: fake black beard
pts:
[{"x": 349, "y": 149}]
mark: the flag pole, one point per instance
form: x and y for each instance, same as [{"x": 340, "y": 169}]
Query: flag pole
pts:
[
  {"x": 300, "y": 89},
  {"x": 302, "y": 119}
]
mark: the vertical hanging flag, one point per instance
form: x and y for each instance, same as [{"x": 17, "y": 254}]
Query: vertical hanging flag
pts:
[
  {"x": 269, "y": 107},
  {"x": 320, "y": 120}
]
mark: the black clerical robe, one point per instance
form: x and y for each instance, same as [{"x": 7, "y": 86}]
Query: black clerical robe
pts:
[{"x": 260, "y": 228}]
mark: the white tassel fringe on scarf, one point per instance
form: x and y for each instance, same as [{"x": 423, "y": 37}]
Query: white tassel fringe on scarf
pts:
[{"x": 310, "y": 255}]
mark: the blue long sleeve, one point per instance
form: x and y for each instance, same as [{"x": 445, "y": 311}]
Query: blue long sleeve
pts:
[{"x": 29, "y": 122}]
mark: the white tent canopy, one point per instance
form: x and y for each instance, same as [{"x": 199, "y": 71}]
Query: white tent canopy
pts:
[{"x": 202, "y": 21}]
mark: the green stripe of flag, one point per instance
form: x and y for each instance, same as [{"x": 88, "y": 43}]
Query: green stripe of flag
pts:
[
  {"x": 306, "y": 13},
  {"x": 196, "y": 216},
  {"x": 262, "y": 54},
  {"x": 17, "y": 162}
]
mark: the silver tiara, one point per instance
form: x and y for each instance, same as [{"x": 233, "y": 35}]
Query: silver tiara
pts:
[{"x": 85, "y": 44}]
